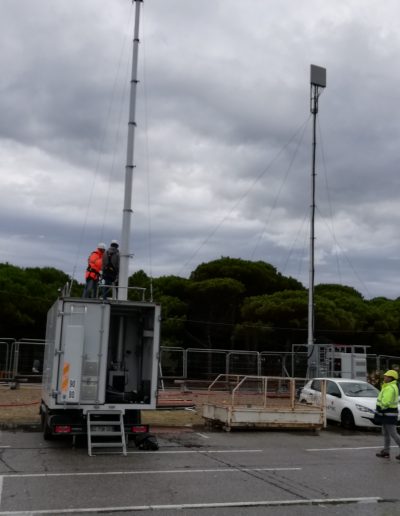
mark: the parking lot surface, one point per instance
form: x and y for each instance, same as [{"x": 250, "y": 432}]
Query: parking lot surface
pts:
[{"x": 202, "y": 473}]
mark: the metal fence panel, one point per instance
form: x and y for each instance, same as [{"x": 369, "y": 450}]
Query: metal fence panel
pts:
[
  {"x": 299, "y": 361},
  {"x": 274, "y": 364},
  {"x": 386, "y": 362},
  {"x": 205, "y": 364},
  {"x": 372, "y": 363},
  {"x": 25, "y": 358},
  {"x": 6, "y": 357},
  {"x": 243, "y": 362},
  {"x": 28, "y": 358},
  {"x": 172, "y": 362}
]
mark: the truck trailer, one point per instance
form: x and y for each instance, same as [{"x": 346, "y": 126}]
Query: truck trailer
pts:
[{"x": 100, "y": 370}]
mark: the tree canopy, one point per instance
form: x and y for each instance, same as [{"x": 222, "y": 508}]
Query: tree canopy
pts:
[
  {"x": 227, "y": 303},
  {"x": 25, "y": 297},
  {"x": 256, "y": 277}
]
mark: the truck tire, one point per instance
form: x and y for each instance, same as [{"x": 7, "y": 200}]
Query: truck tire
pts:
[
  {"x": 147, "y": 442},
  {"x": 47, "y": 435}
]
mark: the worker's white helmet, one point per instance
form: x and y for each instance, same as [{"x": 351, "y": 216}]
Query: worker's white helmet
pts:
[
  {"x": 102, "y": 245},
  {"x": 114, "y": 243}
]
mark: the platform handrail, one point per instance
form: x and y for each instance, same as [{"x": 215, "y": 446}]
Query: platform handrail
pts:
[
  {"x": 264, "y": 380},
  {"x": 218, "y": 379}
]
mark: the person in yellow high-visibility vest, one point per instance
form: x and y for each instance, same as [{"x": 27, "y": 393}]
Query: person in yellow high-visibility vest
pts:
[{"x": 387, "y": 405}]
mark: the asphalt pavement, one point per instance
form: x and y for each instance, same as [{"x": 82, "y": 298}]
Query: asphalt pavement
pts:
[{"x": 200, "y": 473}]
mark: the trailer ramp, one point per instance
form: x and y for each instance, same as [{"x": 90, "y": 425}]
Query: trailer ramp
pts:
[
  {"x": 105, "y": 429},
  {"x": 235, "y": 401}
]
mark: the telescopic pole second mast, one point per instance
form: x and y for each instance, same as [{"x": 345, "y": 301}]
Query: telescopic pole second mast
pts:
[{"x": 317, "y": 81}]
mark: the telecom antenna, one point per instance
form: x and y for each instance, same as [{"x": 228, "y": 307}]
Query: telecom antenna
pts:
[
  {"x": 127, "y": 210},
  {"x": 317, "y": 82}
]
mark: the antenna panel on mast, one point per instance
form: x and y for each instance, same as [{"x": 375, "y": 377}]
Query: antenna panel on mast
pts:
[{"x": 318, "y": 76}]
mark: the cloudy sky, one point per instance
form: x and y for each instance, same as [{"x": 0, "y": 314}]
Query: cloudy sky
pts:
[{"x": 224, "y": 135}]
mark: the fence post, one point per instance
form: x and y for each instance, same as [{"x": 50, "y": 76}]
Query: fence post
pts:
[
  {"x": 185, "y": 363},
  {"x": 16, "y": 359}
]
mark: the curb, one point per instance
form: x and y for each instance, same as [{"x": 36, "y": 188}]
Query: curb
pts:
[{"x": 24, "y": 426}]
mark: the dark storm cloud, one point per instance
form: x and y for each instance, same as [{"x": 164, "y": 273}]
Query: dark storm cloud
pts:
[{"x": 223, "y": 135}]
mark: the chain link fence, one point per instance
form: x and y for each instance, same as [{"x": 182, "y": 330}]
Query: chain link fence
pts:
[
  {"x": 21, "y": 359},
  {"x": 24, "y": 359}
]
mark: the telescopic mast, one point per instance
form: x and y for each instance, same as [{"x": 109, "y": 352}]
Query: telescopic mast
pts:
[
  {"x": 125, "y": 253},
  {"x": 317, "y": 81}
]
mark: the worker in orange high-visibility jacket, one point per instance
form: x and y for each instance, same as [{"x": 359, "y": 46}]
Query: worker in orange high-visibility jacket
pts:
[{"x": 93, "y": 271}]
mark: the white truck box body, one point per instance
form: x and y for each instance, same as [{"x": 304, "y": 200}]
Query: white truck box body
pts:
[{"x": 101, "y": 355}]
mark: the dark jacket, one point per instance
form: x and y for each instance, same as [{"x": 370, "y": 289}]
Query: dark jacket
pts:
[{"x": 111, "y": 264}]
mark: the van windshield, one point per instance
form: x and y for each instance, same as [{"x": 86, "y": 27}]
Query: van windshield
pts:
[{"x": 359, "y": 390}]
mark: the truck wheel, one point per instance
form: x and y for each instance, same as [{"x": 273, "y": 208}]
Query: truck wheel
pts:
[
  {"x": 347, "y": 419},
  {"x": 148, "y": 442},
  {"x": 47, "y": 435}
]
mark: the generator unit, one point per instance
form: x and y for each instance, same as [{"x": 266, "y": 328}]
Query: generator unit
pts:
[
  {"x": 331, "y": 360},
  {"x": 349, "y": 362},
  {"x": 100, "y": 361}
]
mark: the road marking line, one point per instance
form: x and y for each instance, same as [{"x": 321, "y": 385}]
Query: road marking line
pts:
[
  {"x": 346, "y": 449},
  {"x": 261, "y": 503},
  {"x": 203, "y": 435},
  {"x": 7, "y": 446},
  {"x": 146, "y": 472},
  {"x": 1, "y": 487}
]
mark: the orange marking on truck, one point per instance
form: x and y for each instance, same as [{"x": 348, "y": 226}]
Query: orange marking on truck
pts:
[{"x": 65, "y": 377}]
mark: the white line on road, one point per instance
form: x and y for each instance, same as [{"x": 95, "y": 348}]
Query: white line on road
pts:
[
  {"x": 1, "y": 487},
  {"x": 261, "y": 503},
  {"x": 8, "y": 446},
  {"x": 345, "y": 449},
  {"x": 146, "y": 472}
]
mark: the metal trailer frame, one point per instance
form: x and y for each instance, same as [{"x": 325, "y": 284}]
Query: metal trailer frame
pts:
[{"x": 236, "y": 401}]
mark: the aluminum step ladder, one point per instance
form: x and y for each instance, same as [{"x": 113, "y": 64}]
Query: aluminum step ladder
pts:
[{"x": 105, "y": 429}]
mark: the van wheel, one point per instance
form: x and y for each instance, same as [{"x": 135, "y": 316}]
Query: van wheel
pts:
[{"x": 347, "y": 419}]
